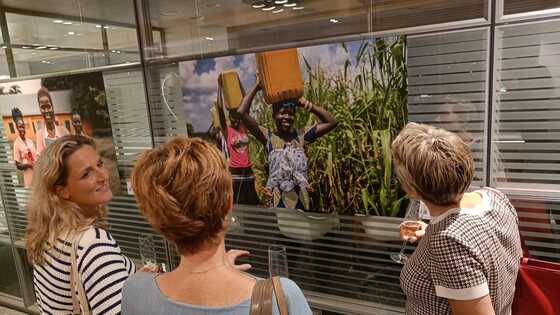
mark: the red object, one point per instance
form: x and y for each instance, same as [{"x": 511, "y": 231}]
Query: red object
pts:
[{"x": 537, "y": 291}]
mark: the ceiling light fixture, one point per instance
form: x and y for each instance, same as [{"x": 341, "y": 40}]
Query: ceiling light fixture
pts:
[
  {"x": 269, "y": 8},
  {"x": 25, "y": 47},
  {"x": 281, "y": 1},
  {"x": 106, "y": 27},
  {"x": 278, "y": 11},
  {"x": 334, "y": 21},
  {"x": 99, "y": 26},
  {"x": 57, "y": 21},
  {"x": 290, "y": 5},
  {"x": 209, "y": 38},
  {"x": 53, "y": 48},
  {"x": 71, "y": 33},
  {"x": 41, "y": 47},
  {"x": 67, "y": 23}
]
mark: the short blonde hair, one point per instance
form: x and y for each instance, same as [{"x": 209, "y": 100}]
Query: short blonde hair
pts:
[
  {"x": 184, "y": 190},
  {"x": 437, "y": 163}
]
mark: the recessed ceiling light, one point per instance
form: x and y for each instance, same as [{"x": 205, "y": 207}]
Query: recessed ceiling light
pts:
[
  {"x": 71, "y": 33},
  {"x": 298, "y": 8},
  {"x": 57, "y": 21},
  {"x": 334, "y": 21},
  {"x": 53, "y": 48},
  {"x": 106, "y": 27},
  {"x": 289, "y": 5},
  {"x": 258, "y": 6},
  {"x": 99, "y": 26},
  {"x": 269, "y": 8},
  {"x": 25, "y": 47},
  {"x": 281, "y": 1},
  {"x": 42, "y": 47},
  {"x": 209, "y": 38},
  {"x": 67, "y": 23},
  {"x": 278, "y": 11}
]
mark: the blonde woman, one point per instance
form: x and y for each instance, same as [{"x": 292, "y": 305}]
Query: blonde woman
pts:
[
  {"x": 468, "y": 258},
  {"x": 184, "y": 190},
  {"x": 69, "y": 196}
]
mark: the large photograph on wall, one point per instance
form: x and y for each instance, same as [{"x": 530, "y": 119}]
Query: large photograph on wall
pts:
[
  {"x": 307, "y": 128},
  {"x": 37, "y": 112}
]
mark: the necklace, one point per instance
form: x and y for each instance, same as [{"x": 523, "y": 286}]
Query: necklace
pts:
[{"x": 224, "y": 264}]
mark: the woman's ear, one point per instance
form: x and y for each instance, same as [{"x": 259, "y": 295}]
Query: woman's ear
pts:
[{"x": 62, "y": 192}]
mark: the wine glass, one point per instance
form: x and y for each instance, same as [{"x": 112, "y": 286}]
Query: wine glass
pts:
[
  {"x": 147, "y": 245},
  {"x": 408, "y": 228},
  {"x": 277, "y": 261}
]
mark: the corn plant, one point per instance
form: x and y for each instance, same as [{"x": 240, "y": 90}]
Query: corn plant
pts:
[{"x": 350, "y": 168}]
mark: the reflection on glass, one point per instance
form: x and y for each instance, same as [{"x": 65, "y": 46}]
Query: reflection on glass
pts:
[
  {"x": 523, "y": 6},
  {"x": 527, "y": 90},
  {"x": 9, "y": 283}
]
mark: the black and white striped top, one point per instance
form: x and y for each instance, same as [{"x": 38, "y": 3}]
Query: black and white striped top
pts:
[{"x": 102, "y": 267}]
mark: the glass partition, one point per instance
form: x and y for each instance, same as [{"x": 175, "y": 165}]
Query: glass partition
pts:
[
  {"x": 78, "y": 36},
  {"x": 523, "y": 6},
  {"x": 447, "y": 68},
  {"x": 527, "y": 113}
]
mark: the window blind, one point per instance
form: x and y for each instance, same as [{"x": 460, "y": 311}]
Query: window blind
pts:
[{"x": 447, "y": 79}]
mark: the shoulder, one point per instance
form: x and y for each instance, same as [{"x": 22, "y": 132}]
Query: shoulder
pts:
[
  {"x": 94, "y": 235},
  {"x": 62, "y": 130},
  {"x": 297, "y": 303},
  {"x": 138, "y": 282},
  {"x": 136, "y": 289},
  {"x": 96, "y": 243}
]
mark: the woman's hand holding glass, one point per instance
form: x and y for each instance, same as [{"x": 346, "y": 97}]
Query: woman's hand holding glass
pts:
[{"x": 412, "y": 231}]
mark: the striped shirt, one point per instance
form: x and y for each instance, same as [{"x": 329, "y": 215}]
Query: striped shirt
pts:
[{"x": 102, "y": 268}]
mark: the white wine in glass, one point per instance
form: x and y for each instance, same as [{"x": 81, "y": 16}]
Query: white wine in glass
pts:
[{"x": 408, "y": 229}]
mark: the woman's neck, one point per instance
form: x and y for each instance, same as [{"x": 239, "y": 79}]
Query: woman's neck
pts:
[
  {"x": 467, "y": 200},
  {"x": 437, "y": 210},
  {"x": 206, "y": 259}
]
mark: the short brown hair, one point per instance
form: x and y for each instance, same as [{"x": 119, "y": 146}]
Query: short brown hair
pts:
[
  {"x": 437, "y": 163},
  {"x": 184, "y": 190}
]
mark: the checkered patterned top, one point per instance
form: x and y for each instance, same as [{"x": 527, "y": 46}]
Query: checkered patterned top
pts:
[{"x": 465, "y": 254}]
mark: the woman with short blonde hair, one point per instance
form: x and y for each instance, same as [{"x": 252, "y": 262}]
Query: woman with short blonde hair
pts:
[
  {"x": 184, "y": 190},
  {"x": 468, "y": 258}
]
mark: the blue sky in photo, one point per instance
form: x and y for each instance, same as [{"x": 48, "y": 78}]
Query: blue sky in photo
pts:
[{"x": 200, "y": 77}]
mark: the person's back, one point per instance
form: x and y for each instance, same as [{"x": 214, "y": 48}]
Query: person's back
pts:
[
  {"x": 142, "y": 295},
  {"x": 184, "y": 189}
]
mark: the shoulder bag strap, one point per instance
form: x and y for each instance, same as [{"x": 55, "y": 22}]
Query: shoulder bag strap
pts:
[
  {"x": 80, "y": 303},
  {"x": 261, "y": 298},
  {"x": 280, "y": 298}
]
